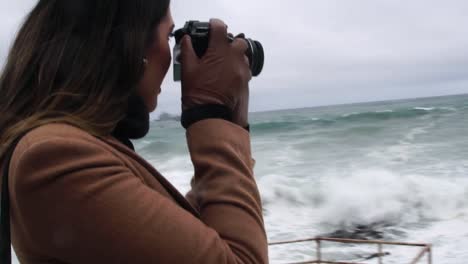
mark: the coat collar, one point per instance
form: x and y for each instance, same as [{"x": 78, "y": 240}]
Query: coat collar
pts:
[{"x": 135, "y": 125}]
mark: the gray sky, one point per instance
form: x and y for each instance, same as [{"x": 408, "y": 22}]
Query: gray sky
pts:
[{"x": 321, "y": 52}]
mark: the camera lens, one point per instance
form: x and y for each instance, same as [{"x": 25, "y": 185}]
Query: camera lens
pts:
[{"x": 256, "y": 56}]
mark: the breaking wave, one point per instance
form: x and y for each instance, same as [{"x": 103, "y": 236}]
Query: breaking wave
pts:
[{"x": 354, "y": 117}]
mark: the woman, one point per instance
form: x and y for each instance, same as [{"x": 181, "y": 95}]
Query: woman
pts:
[{"x": 80, "y": 80}]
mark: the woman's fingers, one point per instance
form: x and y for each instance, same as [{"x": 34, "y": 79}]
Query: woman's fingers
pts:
[{"x": 218, "y": 33}]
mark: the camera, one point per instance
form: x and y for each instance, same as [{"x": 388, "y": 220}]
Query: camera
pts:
[{"x": 200, "y": 34}]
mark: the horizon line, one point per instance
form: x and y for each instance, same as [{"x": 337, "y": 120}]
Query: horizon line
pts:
[
  {"x": 363, "y": 102},
  {"x": 337, "y": 104}
]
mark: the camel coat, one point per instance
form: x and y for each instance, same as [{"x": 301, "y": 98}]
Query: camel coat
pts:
[{"x": 76, "y": 198}]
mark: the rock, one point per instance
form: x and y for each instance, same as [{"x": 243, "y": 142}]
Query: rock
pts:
[
  {"x": 168, "y": 117},
  {"x": 363, "y": 232}
]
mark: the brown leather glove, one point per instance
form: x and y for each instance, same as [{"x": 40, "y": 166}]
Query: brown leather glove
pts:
[{"x": 221, "y": 76}]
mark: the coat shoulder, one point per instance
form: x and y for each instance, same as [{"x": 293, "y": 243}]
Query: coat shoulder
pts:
[
  {"x": 60, "y": 130},
  {"x": 53, "y": 132}
]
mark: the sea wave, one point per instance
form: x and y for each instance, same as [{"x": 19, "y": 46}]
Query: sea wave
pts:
[
  {"x": 275, "y": 126},
  {"x": 383, "y": 115},
  {"x": 353, "y": 117},
  {"x": 366, "y": 197}
]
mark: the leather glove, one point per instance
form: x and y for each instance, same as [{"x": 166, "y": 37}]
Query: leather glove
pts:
[{"x": 220, "y": 77}]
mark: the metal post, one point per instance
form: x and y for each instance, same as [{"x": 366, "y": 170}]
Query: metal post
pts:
[
  {"x": 380, "y": 252},
  {"x": 429, "y": 255},
  {"x": 419, "y": 256},
  {"x": 425, "y": 249},
  {"x": 319, "y": 254}
]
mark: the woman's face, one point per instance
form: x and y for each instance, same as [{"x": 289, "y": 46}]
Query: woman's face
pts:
[{"x": 159, "y": 60}]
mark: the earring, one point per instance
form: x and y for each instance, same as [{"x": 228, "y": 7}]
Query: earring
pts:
[{"x": 145, "y": 61}]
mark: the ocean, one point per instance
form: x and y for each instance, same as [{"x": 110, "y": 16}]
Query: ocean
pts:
[{"x": 399, "y": 168}]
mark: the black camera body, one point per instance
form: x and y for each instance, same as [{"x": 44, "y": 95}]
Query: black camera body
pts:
[{"x": 200, "y": 35}]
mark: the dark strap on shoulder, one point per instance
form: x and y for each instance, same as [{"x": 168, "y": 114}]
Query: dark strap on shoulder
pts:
[{"x": 5, "y": 235}]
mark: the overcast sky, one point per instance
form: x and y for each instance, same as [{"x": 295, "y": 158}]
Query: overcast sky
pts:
[{"x": 321, "y": 52}]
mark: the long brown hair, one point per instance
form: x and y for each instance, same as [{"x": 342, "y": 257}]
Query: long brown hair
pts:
[{"x": 76, "y": 61}]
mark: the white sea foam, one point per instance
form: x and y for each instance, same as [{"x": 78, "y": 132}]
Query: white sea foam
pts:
[
  {"x": 424, "y": 108},
  {"x": 418, "y": 131},
  {"x": 453, "y": 109},
  {"x": 368, "y": 196},
  {"x": 409, "y": 203},
  {"x": 445, "y": 108},
  {"x": 178, "y": 170},
  {"x": 350, "y": 114}
]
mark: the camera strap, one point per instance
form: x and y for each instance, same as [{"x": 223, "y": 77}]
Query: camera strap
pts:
[{"x": 5, "y": 232}]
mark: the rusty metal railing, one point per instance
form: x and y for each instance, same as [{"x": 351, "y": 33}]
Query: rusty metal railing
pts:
[{"x": 426, "y": 249}]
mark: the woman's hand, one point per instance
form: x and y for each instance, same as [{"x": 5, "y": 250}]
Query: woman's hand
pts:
[{"x": 221, "y": 76}]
